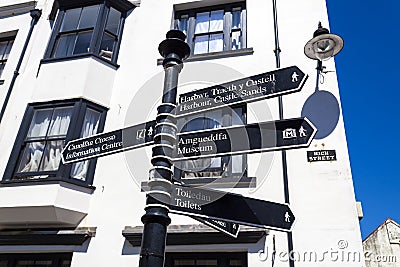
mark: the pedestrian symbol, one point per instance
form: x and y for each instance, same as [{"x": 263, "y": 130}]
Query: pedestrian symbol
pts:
[{"x": 294, "y": 77}]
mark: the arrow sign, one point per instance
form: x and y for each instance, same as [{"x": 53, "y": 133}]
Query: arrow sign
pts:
[
  {"x": 218, "y": 205},
  {"x": 250, "y": 138},
  {"x": 109, "y": 143},
  {"x": 250, "y": 89},
  {"x": 229, "y": 228}
]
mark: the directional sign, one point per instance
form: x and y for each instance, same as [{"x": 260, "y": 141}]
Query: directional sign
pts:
[
  {"x": 109, "y": 143},
  {"x": 250, "y": 89},
  {"x": 212, "y": 204},
  {"x": 229, "y": 228},
  {"x": 250, "y": 138}
]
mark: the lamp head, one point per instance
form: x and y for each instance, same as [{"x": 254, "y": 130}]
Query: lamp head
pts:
[{"x": 323, "y": 45}]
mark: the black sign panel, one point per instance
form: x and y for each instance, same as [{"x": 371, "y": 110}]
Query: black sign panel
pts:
[
  {"x": 222, "y": 206},
  {"x": 321, "y": 155},
  {"x": 251, "y": 138},
  {"x": 250, "y": 89},
  {"x": 109, "y": 143},
  {"x": 229, "y": 228}
]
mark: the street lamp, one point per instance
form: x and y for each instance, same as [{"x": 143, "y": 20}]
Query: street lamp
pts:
[{"x": 323, "y": 45}]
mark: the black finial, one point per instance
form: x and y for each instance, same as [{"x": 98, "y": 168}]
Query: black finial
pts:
[
  {"x": 320, "y": 30},
  {"x": 174, "y": 47}
]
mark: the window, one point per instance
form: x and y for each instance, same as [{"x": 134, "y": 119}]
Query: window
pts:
[
  {"x": 45, "y": 130},
  {"x": 94, "y": 29},
  {"x": 36, "y": 260},
  {"x": 214, "y": 29},
  {"x": 6, "y": 44},
  {"x": 226, "y": 166},
  {"x": 236, "y": 259}
]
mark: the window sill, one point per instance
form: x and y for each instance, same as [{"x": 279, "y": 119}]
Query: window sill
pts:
[
  {"x": 88, "y": 55},
  {"x": 74, "y": 237},
  {"x": 184, "y": 235},
  {"x": 221, "y": 182},
  {"x": 26, "y": 182},
  {"x": 216, "y": 55}
]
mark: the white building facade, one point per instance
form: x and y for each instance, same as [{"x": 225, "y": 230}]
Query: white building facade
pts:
[{"x": 72, "y": 69}]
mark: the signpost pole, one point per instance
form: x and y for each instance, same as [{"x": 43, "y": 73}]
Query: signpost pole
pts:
[{"x": 156, "y": 218}]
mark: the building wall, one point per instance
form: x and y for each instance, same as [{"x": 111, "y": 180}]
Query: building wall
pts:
[
  {"x": 382, "y": 246},
  {"x": 321, "y": 193}
]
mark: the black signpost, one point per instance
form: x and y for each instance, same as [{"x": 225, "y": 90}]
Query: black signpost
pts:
[
  {"x": 254, "y": 88},
  {"x": 250, "y": 138},
  {"x": 219, "y": 205},
  {"x": 220, "y": 210},
  {"x": 109, "y": 143}
]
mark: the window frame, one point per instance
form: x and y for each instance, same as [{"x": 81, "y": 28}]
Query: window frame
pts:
[
  {"x": 63, "y": 173},
  {"x": 57, "y": 258},
  {"x": 221, "y": 257},
  {"x": 6, "y": 37},
  {"x": 60, "y": 8},
  {"x": 227, "y": 26}
]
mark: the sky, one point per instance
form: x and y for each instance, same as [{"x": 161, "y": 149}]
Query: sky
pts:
[{"x": 369, "y": 74}]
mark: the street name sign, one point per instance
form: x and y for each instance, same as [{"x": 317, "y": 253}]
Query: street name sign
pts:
[
  {"x": 229, "y": 228},
  {"x": 223, "y": 206},
  {"x": 109, "y": 143},
  {"x": 254, "y": 88},
  {"x": 250, "y": 138}
]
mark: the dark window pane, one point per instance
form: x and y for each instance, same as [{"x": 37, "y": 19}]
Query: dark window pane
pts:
[
  {"x": 3, "y": 46},
  {"x": 206, "y": 263},
  {"x": 113, "y": 20},
  {"x": 183, "y": 24},
  {"x": 216, "y": 43},
  {"x": 235, "y": 263},
  {"x": 107, "y": 46},
  {"x": 200, "y": 44},
  {"x": 202, "y": 22},
  {"x": 71, "y": 19},
  {"x": 90, "y": 123},
  {"x": 184, "y": 263},
  {"x": 60, "y": 121},
  {"x": 236, "y": 19},
  {"x": 83, "y": 43},
  {"x": 66, "y": 263},
  {"x": 89, "y": 17},
  {"x": 90, "y": 127},
  {"x": 217, "y": 20},
  {"x": 65, "y": 45},
  {"x": 34, "y": 263},
  {"x": 3, "y": 263},
  {"x": 2, "y": 65},
  {"x": 236, "y": 40},
  {"x": 40, "y": 123},
  {"x": 31, "y": 157},
  {"x": 51, "y": 156},
  {"x": 8, "y": 49}
]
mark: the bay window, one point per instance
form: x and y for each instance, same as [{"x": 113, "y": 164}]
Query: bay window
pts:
[
  {"x": 45, "y": 130},
  {"x": 88, "y": 28}
]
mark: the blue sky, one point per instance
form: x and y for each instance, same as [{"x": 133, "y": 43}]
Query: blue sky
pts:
[{"x": 369, "y": 76}]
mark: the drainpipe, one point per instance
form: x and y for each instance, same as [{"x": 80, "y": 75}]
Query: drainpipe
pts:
[
  {"x": 35, "y": 14},
  {"x": 281, "y": 117}
]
